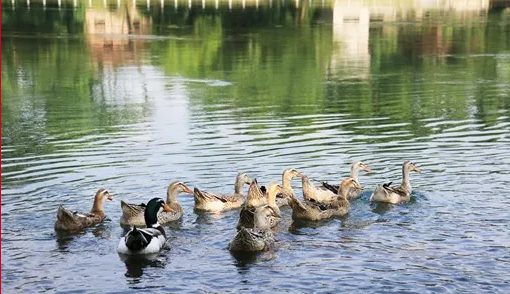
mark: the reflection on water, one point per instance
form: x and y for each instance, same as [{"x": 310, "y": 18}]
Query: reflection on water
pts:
[{"x": 130, "y": 96}]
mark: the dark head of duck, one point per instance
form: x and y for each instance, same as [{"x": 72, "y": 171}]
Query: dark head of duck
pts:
[{"x": 155, "y": 206}]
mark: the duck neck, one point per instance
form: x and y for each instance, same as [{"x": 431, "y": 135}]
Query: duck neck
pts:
[
  {"x": 307, "y": 186},
  {"x": 238, "y": 186},
  {"x": 171, "y": 195},
  {"x": 151, "y": 219},
  {"x": 97, "y": 207},
  {"x": 406, "y": 184},
  {"x": 354, "y": 172},
  {"x": 286, "y": 179},
  {"x": 342, "y": 192}
]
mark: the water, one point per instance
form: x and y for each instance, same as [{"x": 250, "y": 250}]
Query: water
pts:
[{"x": 132, "y": 98}]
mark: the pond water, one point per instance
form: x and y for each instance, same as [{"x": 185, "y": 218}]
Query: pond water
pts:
[{"x": 130, "y": 96}]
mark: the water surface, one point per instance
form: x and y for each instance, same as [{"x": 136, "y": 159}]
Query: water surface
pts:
[{"x": 131, "y": 97}]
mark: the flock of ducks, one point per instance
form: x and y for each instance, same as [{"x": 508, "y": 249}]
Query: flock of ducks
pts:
[{"x": 259, "y": 210}]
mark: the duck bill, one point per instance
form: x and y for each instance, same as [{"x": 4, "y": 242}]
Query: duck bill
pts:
[
  {"x": 368, "y": 169},
  {"x": 109, "y": 197},
  {"x": 187, "y": 190},
  {"x": 417, "y": 170},
  {"x": 300, "y": 175},
  {"x": 167, "y": 208}
]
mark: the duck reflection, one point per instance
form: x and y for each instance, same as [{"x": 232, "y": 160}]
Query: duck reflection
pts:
[
  {"x": 64, "y": 239},
  {"x": 381, "y": 208},
  {"x": 135, "y": 264},
  {"x": 244, "y": 259},
  {"x": 302, "y": 227}
]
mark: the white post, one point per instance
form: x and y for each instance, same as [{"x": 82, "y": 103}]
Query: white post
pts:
[
  {"x": 175, "y": 4},
  {"x": 203, "y": 4}
]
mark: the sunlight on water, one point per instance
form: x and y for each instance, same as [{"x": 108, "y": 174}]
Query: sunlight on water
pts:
[{"x": 132, "y": 95}]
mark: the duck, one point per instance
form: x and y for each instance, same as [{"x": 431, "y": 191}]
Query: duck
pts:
[
  {"x": 316, "y": 194},
  {"x": 255, "y": 199},
  {"x": 214, "y": 203},
  {"x": 133, "y": 214},
  {"x": 75, "y": 221},
  {"x": 149, "y": 240},
  {"x": 308, "y": 210},
  {"x": 259, "y": 237},
  {"x": 354, "y": 174},
  {"x": 395, "y": 195},
  {"x": 284, "y": 196}
]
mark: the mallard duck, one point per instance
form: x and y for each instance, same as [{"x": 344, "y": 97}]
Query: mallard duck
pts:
[
  {"x": 395, "y": 195},
  {"x": 210, "y": 202},
  {"x": 308, "y": 210},
  {"x": 256, "y": 199},
  {"x": 256, "y": 238},
  {"x": 284, "y": 196},
  {"x": 149, "y": 240},
  {"x": 133, "y": 214},
  {"x": 75, "y": 221},
  {"x": 355, "y": 169},
  {"x": 317, "y": 194}
]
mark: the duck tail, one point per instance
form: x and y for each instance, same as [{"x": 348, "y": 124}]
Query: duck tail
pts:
[
  {"x": 135, "y": 240},
  {"x": 64, "y": 214}
]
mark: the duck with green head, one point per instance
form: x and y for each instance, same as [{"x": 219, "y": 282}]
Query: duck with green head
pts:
[
  {"x": 133, "y": 214},
  {"x": 149, "y": 240}
]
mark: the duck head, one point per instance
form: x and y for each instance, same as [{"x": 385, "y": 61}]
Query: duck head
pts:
[
  {"x": 410, "y": 166},
  {"x": 103, "y": 194},
  {"x": 155, "y": 206},
  {"x": 361, "y": 166}
]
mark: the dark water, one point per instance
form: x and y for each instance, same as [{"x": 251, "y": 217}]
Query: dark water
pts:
[{"x": 130, "y": 98}]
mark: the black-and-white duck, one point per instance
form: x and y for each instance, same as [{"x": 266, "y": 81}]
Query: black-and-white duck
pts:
[{"x": 148, "y": 240}]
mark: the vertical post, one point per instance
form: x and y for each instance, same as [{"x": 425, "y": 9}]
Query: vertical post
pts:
[
  {"x": 189, "y": 3},
  {"x": 216, "y": 4},
  {"x": 203, "y": 4},
  {"x": 148, "y": 4},
  {"x": 162, "y": 4},
  {"x": 230, "y": 4},
  {"x": 244, "y": 4},
  {"x": 28, "y": 4},
  {"x": 175, "y": 4},
  {"x": 75, "y": 3},
  {"x": 43, "y": 4},
  {"x": 90, "y": 3},
  {"x": 118, "y": 3}
]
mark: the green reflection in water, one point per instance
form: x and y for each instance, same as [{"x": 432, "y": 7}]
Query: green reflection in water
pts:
[{"x": 280, "y": 61}]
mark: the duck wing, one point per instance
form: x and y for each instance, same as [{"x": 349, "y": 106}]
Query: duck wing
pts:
[
  {"x": 65, "y": 215},
  {"x": 397, "y": 190},
  {"x": 132, "y": 209},
  {"x": 208, "y": 196},
  {"x": 332, "y": 188}
]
